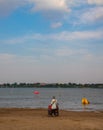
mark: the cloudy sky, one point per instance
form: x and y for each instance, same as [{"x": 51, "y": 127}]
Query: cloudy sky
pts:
[{"x": 51, "y": 41}]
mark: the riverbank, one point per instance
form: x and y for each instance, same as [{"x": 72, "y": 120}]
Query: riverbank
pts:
[{"x": 37, "y": 119}]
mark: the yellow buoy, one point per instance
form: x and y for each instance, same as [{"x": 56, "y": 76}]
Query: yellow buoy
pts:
[{"x": 85, "y": 101}]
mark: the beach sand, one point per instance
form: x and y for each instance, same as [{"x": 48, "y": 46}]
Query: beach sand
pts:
[{"x": 38, "y": 119}]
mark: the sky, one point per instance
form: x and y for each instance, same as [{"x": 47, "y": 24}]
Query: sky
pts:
[{"x": 51, "y": 41}]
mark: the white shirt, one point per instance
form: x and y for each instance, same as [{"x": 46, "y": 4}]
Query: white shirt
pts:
[{"x": 54, "y": 103}]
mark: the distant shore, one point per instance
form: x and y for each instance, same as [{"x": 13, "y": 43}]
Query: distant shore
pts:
[
  {"x": 38, "y": 119},
  {"x": 51, "y": 85}
]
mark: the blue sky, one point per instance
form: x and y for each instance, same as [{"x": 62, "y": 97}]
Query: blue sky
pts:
[{"x": 52, "y": 41}]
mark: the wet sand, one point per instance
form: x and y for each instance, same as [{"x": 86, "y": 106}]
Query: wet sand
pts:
[{"x": 38, "y": 119}]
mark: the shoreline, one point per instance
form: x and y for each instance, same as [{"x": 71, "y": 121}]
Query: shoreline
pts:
[
  {"x": 65, "y": 109},
  {"x": 38, "y": 119}
]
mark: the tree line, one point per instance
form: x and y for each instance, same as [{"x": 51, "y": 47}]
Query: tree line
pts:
[{"x": 50, "y": 85}]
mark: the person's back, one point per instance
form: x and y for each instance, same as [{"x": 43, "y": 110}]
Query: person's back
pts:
[
  {"x": 54, "y": 103},
  {"x": 53, "y": 108}
]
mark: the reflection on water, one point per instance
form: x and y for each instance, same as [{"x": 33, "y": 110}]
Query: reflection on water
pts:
[{"x": 68, "y": 98}]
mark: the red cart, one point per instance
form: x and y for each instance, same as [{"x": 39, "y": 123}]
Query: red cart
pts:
[{"x": 53, "y": 112}]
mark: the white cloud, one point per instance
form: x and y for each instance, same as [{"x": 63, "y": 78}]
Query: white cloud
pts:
[
  {"x": 97, "y": 2},
  {"x": 92, "y": 15},
  {"x": 53, "y": 10},
  {"x": 47, "y": 5},
  {"x": 77, "y": 35},
  {"x": 61, "y": 36},
  {"x": 63, "y": 6},
  {"x": 23, "y": 39},
  {"x": 56, "y": 25},
  {"x": 7, "y": 6},
  {"x": 74, "y": 3}
]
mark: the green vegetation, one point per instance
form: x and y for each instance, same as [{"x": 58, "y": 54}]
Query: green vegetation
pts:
[{"x": 49, "y": 85}]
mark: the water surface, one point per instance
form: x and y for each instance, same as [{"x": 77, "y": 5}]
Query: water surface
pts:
[{"x": 68, "y": 98}]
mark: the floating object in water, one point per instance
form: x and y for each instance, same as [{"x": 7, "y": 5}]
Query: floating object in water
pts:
[
  {"x": 36, "y": 92},
  {"x": 85, "y": 101}
]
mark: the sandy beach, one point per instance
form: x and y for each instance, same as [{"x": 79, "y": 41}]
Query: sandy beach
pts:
[{"x": 38, "y": 119}]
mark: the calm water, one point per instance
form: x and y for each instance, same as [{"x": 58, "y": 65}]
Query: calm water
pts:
[{"x": 68, "y": 98}]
